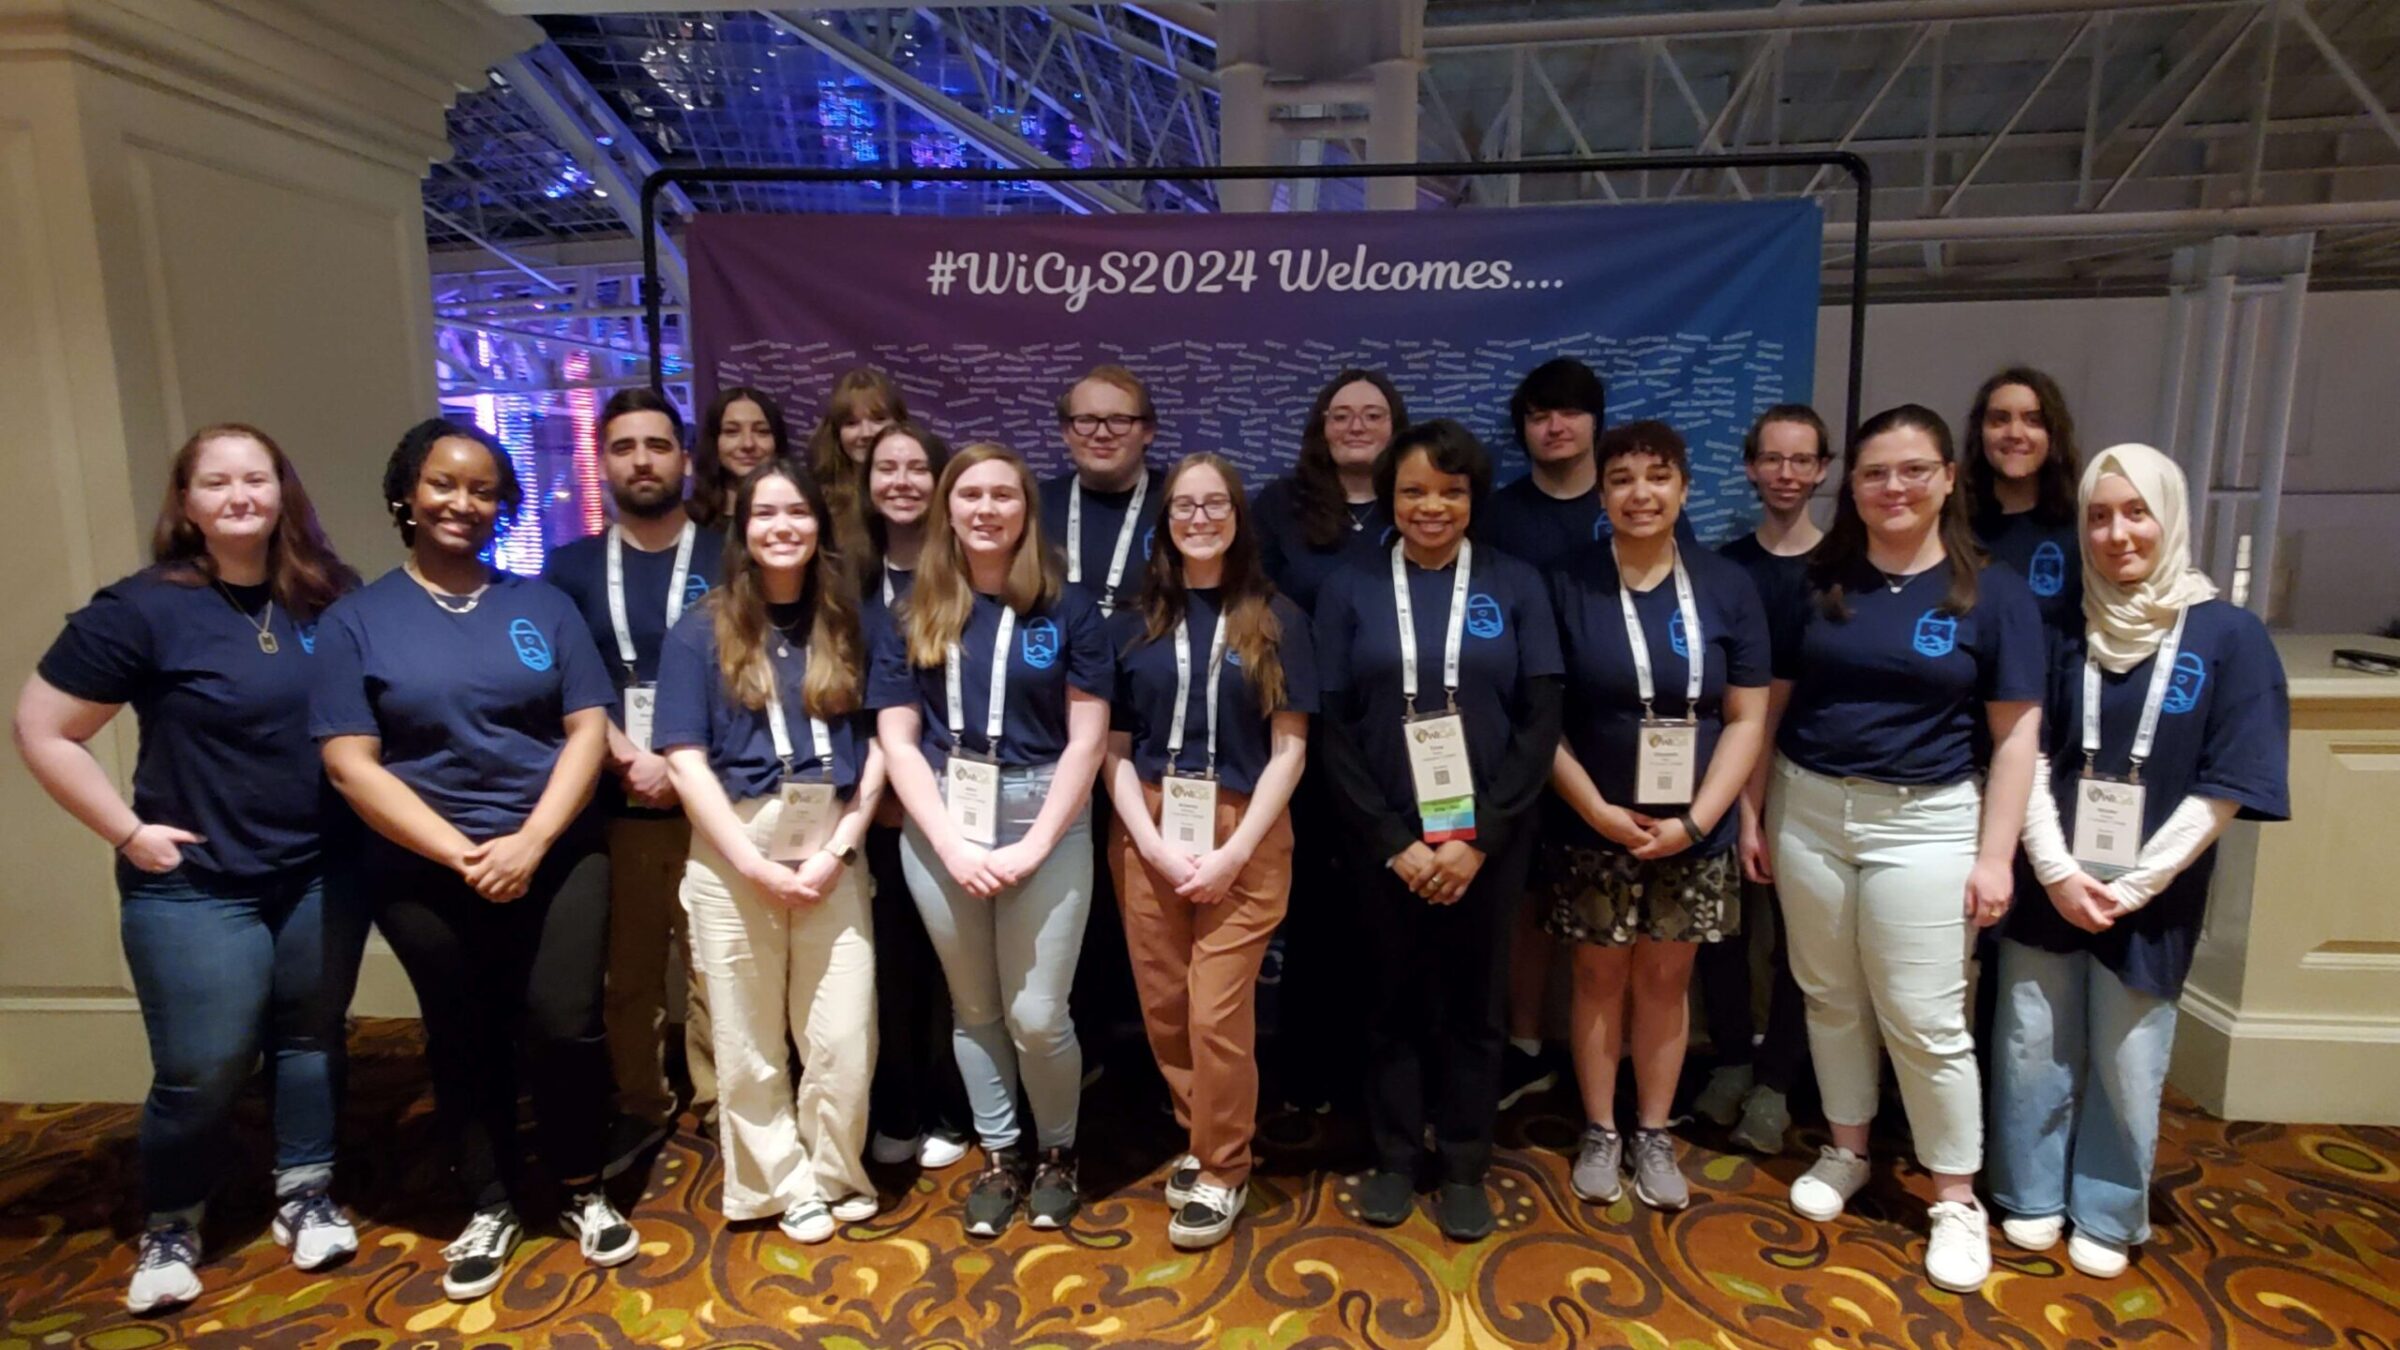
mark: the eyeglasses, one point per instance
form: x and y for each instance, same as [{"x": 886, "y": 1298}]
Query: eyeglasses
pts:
[
  {"x": 1916, "y": 473},
  {"x": 1087, "y": 424},
  {"x": 1216, "y": 507},
  {"x": 1358, "y": 417},
  {"x": 1797, "y": 463}
]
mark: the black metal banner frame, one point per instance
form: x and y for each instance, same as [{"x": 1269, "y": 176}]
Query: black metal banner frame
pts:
[{"x": 1860, "y": 178}]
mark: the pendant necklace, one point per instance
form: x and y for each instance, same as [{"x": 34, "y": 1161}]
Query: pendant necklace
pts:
[
  {"x": 264, "y": 623},
  {"x": 450, "y": 603}
]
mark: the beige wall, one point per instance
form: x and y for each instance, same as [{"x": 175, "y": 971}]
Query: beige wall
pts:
[{"x": 208, "y": 211}]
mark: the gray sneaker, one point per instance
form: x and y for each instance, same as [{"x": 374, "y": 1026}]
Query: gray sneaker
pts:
[
  {"x": 1721, "y": 1099},
  {"x": 1596, "y": 1176},
  {"x": 1657, "y": 1180},
  {"x": 1766, "y": 1119}
]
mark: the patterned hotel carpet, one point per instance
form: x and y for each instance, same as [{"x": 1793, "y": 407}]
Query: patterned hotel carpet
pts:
[{"x": 2267, "y": 1235}]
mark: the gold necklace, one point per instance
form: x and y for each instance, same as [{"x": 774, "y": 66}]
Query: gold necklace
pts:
[{"x": 265, "y": 623}]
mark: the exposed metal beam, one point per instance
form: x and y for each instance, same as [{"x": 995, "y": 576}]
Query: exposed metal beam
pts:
[
  {"x": 579, "y": 118},
  {"x": 1148, "y": 53},
  {"x": 1714, "y": 137},
  {"x": 453, "y": 222},
  {"x": 1891, "y": 77},
  {"x": 1736, "y": 22},
  {"x": 1964, "y": 180},
  {"x": 2183, "y": 109},
  {"x": 987, "y": 136},
  {"x": 2348, "y": 73},
  {"x": 535, "y": 335},
  {"x": 1700, "y": 117},
  {"x": 2104, "y": 224}
]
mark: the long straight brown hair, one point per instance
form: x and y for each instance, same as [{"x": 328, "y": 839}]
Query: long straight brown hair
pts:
[
  {"x": 1840, "y": 559},
  {"x": 304, "y": 574},
  {"x": 942, "y": 599},
  {"x": 858, "y": 393},
  {"x": 836, "y": 679},
  {"x": 1251, "y": 628}
]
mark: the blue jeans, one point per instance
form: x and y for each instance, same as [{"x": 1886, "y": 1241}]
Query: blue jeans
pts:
[
  {"x": 224, "y": 970},
  {"x": 1010, "y": 962},
  {"x": 2081, "y": 1063}
]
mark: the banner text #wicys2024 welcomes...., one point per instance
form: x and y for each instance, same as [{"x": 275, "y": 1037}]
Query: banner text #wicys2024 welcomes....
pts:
[{"x": 1293, "y": 271}]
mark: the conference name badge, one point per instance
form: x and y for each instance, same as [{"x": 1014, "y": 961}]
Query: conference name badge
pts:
[
  {"x": 974, "y": 797},
  {"x": 1187, "y": 813},
  {"x": 805, "y": 821},
  {"x": 2108, "y": 825},
  {"x": 1664, "y": 763},
  {"x": 641, "y": 710},
  {"x": 1437, "y": 760}
]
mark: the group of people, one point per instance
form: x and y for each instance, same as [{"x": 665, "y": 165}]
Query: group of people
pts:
[{"x": 867, "y": 726}]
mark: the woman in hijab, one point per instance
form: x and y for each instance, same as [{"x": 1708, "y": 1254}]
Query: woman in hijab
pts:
[{"x": 2166, "y": 721}]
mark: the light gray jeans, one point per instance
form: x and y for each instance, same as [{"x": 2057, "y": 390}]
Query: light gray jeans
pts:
[{"x": 1010, "y": 961}]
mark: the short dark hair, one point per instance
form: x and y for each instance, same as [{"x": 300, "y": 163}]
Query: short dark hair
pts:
[
  {"x": 1798, "y": 413},
  {"x": 1449, "y": 446},
  {"x": 1647, "y": 437},
  {"x": 1561, "y": 383},
  {"x": 407, "y": 464},
  {"x": 639, "y": 398}
]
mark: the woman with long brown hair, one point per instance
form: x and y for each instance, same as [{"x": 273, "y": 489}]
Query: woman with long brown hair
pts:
[
  {"x": 2022, "y": 467},
  {"x": 991, "y": 694},
  {"x": 239, "y": 933},
  {"x": 862, "y": 403},
  {"x": 742, "y": 428},
  {"x": 760, "y": 714},
  {"x": 1310, "y": 519},
  {"x": 1216, "y": 682}
]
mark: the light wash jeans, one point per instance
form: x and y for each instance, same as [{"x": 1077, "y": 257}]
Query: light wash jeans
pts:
[
  {"x": 2081, "y": 1063},
  {"x": 1873, "y": 879},
  {"x": 1010, "y": 962}
]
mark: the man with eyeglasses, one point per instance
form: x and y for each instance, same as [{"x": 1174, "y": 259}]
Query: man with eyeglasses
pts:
[
  {"x": 1103, "y": 514},
  {"x": 1785, "y": 456}
]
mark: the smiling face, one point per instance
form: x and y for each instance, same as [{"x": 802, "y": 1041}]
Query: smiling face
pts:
[
  {"x": 1106, "y": 433},
  {"x": 745, "y": 438},
  {"x": 1358, "y": 424},
  {"x": 457, "y": 497},
  {"x": 2016, "y": 438},
  {"x": 1788, "y": 466},
  {"x": 859, "y": 428},
  {"x": 643, "y": 460},
  {"x": 900, "y": 479},
  {"x": 987, "y": 510},
  {"x": 1430, "y": 508},
  {"x": 234, "y": 497},
  {"x": 781, "y": 530},
  {"x": 1900, "y": 482},
  {"x": 1200, "y": 515},
  {"x": 1643, "y": 495},
  {"x": 2120, "y": 536}
]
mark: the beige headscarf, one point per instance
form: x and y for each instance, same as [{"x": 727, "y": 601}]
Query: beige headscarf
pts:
[{"x": 2123, "y": 625}]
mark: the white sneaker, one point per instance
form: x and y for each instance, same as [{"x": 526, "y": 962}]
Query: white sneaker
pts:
[
  {"x": 606, "y": 1238},
  {"x": 855, "y": 1208},
  {"x": 1822, "y": 1190},
  {"x": 808, "y": 1221},
  {"x": 1207, "y": 1215},
  {"x": 939, "y": 1151},
  {"x": 2098, "y": 1259},
  {"x": 167, "y": 1272},
  {"x": 2033, "y": 1235},
  {"x": 1181, "y": 1178},
  {"x": 892, "y": 1151},
  {"x": 479, "y": 1256},
  {"x": 1959, "y": 1255},
  {"x": 316, "y": 1230}
]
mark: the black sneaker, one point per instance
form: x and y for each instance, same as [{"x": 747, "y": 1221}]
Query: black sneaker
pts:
[
  {"x": 992, "y": 1197},
  {"x": 1181, "y": 1181},
  {"x": 1056, "y": 1193},
  {"x": 1463, "y": 1211},
  {"x": 1385, "y": 1198},
  {"x": 480, "y": 1255},
  {"x": 603, "y": 1234},
  {"x": 1522, "y": 1075},
  {"x": 1206, "y": 1215}
]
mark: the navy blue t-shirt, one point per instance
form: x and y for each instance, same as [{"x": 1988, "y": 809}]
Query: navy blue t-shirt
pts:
[
  {"x": 225, "y": 750},
  {"x": 1509, "y": 641},
  {"x": 1603, "y": 700},
  {"x": 1103, "y": 514},
  {"x": 1546, "y": 530},
  {"x": 471, "y": 708},
  {"x": 901, "y": 580},
  {"x": 2224, "y": 731},
  {"x": 1145, "y": 700},
  {"x": 695, "y": 708},
  {"x": 2050, "y": 560},
  {"x": 1896, "y": 693},
  {"x": 1065, "y": 643},
  {"x": 1298, "y": 568}
]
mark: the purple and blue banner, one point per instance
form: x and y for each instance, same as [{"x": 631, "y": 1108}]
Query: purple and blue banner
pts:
[{"x": 1703, "y": 315}]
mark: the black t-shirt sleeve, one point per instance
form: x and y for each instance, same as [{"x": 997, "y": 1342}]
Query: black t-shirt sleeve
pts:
[
  {"x": 1787, "y": 626},
  {"x": 104, "y": 654}
]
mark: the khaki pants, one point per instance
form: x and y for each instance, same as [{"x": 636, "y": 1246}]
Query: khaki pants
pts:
[
  {"x": 646, "y": 930},
  {"x": 1197, "y": 969},
  {"x": 773, "y": 972}
]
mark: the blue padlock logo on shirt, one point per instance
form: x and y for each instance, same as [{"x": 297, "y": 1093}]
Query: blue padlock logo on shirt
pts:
[
  {"x": 1601, "y": 529},
  {"x": 532, "y": 648},
  {"x": 1675, "y": 636},
  {"x": 1483, "y": 616},
  {"x": 1040, "y": 644},
  {"x": 694, "y": 586},
  {"x": 307, "y": 633},
  {"x": 1937, "y": 634},
  {"x": 2183, "y": 689},
  {"x": 2046, "y": 575}
]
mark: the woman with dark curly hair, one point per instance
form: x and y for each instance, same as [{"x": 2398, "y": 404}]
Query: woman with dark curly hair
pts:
[
  {"x": 2021, "y": 469},
  {"x": 464, "y": 712}
]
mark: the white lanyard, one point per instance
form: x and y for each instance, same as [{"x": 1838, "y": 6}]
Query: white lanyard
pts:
[
  {"x": 616, "y": 587},
  {"x": 1116, "y": 560},
  {"x": 1183, "y": 692},
  {"x": 821, "y": 740},
  {"x": 1408, "y": 623},
  {"x": 2162, "y": 674},
  {"x": 999, "y": 705},
  {"x": 1695, "y": 656}
]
